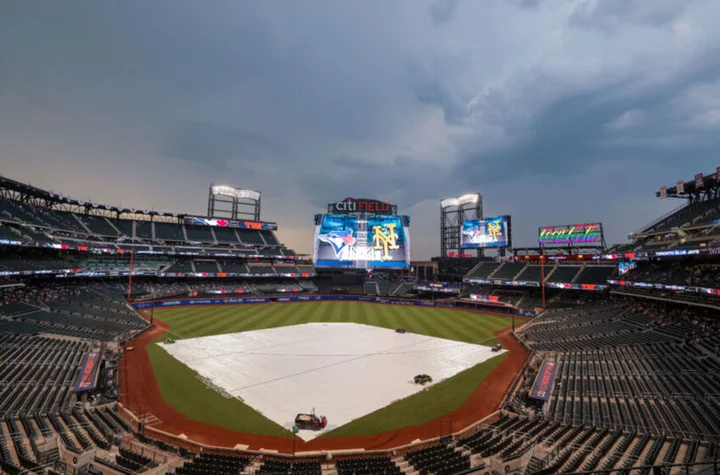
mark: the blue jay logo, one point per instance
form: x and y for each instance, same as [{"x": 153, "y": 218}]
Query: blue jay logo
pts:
[
  {"x": 472, "y": 233},
  {"x": 339, "y": 240}
]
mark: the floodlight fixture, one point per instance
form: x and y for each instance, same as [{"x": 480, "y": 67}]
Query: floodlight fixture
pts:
[
  {"x": 233, "y": 203},
  {"x": 236, "y": 193},
  {"x": 466, "y": 199}
]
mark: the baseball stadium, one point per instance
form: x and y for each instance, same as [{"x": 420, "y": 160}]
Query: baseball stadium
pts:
[{"x": 139, "y": 341}]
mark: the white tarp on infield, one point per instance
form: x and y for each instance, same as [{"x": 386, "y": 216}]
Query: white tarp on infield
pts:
[{"x": 344, "y": 370}]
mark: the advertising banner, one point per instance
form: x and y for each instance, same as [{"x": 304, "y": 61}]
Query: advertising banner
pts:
[
  {"x": 86, "y": 377},
  {"x": 671, "y": 287},
  {"x": 318, "y": 298},
  {"x": 585, "y": 234},
  {"x": 432, "y": 288},
  {"x": 485, "y": 298},
  {"x": 625, "y": 267},
  {"x": 571, "y": 286},
  {"x": 224, "y": 223},
  {"x": 544, "y": 380}
]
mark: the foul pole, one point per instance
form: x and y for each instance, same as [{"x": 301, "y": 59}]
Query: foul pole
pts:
[{"x": 542, "y": 279}]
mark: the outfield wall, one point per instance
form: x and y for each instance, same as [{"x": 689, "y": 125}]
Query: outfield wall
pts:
[{"x": 331, "y": 298}]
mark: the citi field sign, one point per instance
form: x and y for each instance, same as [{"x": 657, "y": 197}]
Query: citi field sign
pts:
[
  {"x": 360, "y": 205},
  {"x": 572, "y": 234}
]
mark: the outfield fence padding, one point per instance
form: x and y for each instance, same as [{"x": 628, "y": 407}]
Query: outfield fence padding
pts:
[{"x": 186, "y": 302}]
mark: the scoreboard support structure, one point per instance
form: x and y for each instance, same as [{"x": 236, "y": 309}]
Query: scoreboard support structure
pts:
[
  {"x": 453, "y": 212},
  {"x": 233, "y": 203}
]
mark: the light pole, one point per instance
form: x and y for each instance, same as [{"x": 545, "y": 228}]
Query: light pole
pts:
[
  {"x": 542, "y": 279},
  {"x": 152, "y": 305}
]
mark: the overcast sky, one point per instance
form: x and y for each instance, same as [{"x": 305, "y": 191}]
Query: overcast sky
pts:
[{"x": 557, "y": 111}]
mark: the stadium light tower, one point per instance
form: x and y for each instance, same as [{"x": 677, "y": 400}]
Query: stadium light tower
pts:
[
  {"x": 453, "y": 211},
  {"x": 233, "y": 203}
]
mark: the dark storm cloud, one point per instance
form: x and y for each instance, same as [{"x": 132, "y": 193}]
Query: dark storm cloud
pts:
[
  {"x": 525, "y": 3},
  {"x": 431, "y": 85},
  {"x": 400, "y": 180},
  {"x": 410, "y": 102},
  {"x": 575, "y": 132},
  {"x": 218, "y": 145},
  {"x": 611, "y": 14},
  {"x": 349, "y": 163},
  {"x": 442, "y": 11}
]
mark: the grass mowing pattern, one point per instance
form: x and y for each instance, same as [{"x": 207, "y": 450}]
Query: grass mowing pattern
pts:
[
  {"x": 422, "y": 407},
  {"x": 181, "y": 388}
]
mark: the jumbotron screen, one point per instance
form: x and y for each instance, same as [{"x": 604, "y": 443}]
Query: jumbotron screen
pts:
[
  {"x": 369, "y": 242},
  {"x": 488, "y": 232},
  {"x": 625, "y": 267}
]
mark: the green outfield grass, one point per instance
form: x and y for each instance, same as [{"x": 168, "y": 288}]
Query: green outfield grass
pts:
[{"x": 181, "y": 388}]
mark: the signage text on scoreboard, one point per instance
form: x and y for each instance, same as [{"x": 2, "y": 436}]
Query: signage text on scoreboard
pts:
[
  {"x": 588, "y": 233},
  {"x": 357, "y": 205}
]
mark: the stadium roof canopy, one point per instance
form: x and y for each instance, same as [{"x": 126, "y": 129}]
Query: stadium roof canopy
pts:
[{"x": 709, "y": 182}]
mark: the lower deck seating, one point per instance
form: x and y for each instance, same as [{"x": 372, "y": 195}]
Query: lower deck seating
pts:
[
  {"x": 78, "y": 434},
  {"x": 654, "y": 389},
  {"x": 553, "y": 447},
  {"x": 367, "y": 466},
  {"x": 214, "y": 464},
  {"x": 37, "y": 373},
  {"x": 439, "y": 459},
  {"x": 277, "y": 467}
]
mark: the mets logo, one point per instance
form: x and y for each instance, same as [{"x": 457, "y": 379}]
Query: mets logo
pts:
[
  {"x": 339, "y": 240},
  {"x": 494, "y": 230},
  {"x": 385, "y": 241}
]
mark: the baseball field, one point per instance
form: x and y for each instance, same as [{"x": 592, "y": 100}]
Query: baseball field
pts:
[{"x": 181, "y": 388}]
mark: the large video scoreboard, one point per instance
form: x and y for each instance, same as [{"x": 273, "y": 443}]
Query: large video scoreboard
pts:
[
  {"x": 362, "y": 234},
  {"x": 492, "y": 231}
]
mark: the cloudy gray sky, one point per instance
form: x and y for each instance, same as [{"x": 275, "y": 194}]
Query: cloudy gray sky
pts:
[{"x": 557, "y": 111}]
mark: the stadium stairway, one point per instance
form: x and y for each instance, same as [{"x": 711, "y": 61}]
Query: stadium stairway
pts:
[
  {"x": 472, "y": 271},
  {"x": 404, "y": 466},
  {"x": 5, "y": 435},
  {"x": 184, "y": 233},
  {"x": 549, "y": 274},
  {"x": 492, "y": 274},
  {"x": 371, "y": 289},
  {"x": 112, "y": 225},
  {"x": 579, "y": 273},
  {"x": 26, "y": 441},
  {"x": 82, "y": 224},
  {"x": 167, "y": 266},
  {"x": 514, "y": 278},
  {"x": 401, "y": 289}
]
